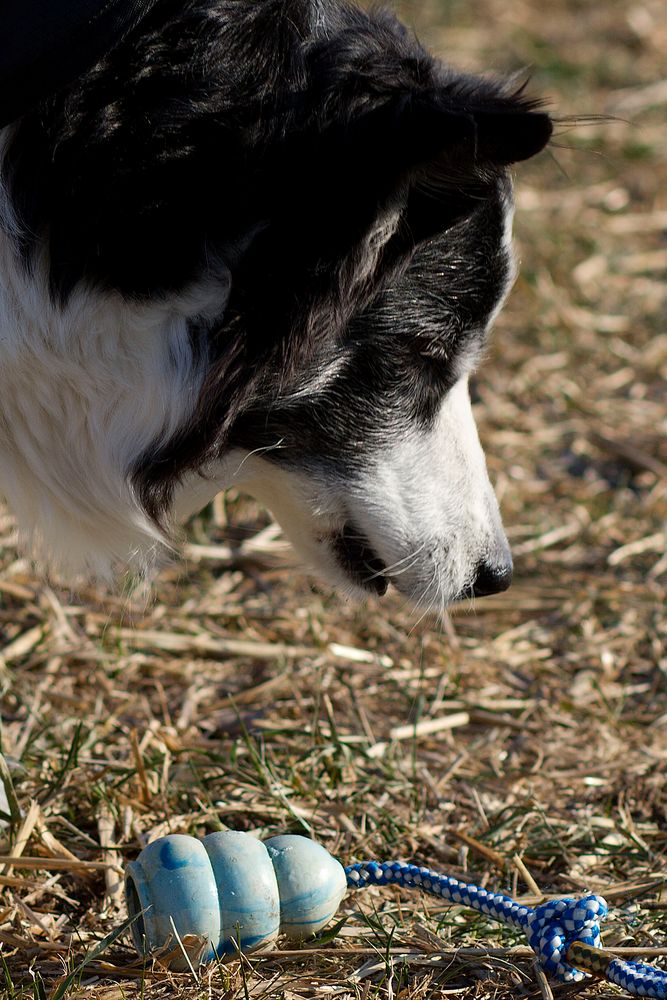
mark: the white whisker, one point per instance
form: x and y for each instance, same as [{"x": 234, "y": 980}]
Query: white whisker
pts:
[
  {"x": 258, "y": 451},
  {"x": 392, "y": 572}
]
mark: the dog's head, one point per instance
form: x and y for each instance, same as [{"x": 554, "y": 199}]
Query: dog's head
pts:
[{"x": 263, "y": 243}]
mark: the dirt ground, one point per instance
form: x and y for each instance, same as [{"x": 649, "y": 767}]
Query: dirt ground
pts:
[{"x": 520, "y": 744}]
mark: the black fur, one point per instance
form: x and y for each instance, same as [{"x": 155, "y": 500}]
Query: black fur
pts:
[
  {"x": 45, "y": 45},
  {"x": 269, "y": 138}
]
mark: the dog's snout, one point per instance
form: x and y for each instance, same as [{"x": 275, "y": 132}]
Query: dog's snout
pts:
[{"x": 492, "y": 579}]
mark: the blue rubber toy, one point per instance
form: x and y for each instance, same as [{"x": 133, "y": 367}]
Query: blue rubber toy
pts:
[{"x": 227, "y": 892}]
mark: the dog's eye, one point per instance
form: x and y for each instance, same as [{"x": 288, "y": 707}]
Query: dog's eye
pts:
[
  {"x": 432, "y": 353},
  {"x": 435, "y": 366}
]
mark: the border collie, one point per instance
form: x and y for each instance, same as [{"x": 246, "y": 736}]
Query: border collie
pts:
[{"x": 260, "y": 243}]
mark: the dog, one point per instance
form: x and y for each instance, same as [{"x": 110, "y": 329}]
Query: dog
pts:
[{"x": 260, "y": 243}]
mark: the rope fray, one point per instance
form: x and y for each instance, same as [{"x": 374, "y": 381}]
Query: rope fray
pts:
[{"x": 560, "y": 932}]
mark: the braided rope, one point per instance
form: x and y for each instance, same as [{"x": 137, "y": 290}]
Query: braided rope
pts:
[{"x": 552, "y": 929}]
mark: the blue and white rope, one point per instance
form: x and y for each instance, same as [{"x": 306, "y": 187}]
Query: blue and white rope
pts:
[{"x": 550, "y": 928}]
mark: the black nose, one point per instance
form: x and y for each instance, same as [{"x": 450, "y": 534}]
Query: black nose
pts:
[{"x": 491, "y": 579}]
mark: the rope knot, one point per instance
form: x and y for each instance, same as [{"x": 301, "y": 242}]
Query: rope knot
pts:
[{"x": 552, "y": 927}]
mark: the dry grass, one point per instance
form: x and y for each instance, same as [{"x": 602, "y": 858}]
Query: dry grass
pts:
[{"x": 243, "y": 697}]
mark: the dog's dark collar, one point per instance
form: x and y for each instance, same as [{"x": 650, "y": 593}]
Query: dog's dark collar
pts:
[{"x": 45, "y": 44}]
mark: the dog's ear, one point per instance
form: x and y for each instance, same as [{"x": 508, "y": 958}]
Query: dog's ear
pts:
[
  {"x": 473, "y": 134},
  {"x": 512, "y": 135},
  {"x": 448, "y": 148}
]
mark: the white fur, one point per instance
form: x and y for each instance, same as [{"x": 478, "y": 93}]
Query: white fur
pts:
[
  {"x": 509, "y": 251},
  {"x": 84, "y": 390},
  {"x": 428, "y": 509}
]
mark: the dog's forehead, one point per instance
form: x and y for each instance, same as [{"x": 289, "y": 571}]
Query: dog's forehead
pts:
[{"x": 457, "y": 279}]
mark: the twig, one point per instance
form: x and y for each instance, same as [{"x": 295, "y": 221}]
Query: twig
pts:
[{"x": 56, "y": 864}]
